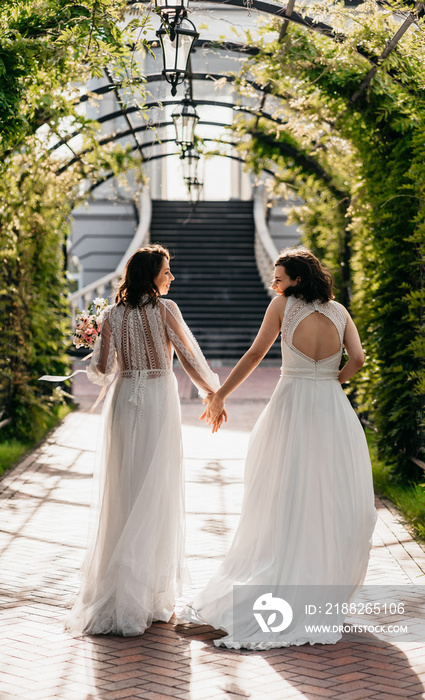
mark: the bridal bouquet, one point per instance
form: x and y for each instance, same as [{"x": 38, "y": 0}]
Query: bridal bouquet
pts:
[
  {"x": 89, "y": 323},
  {"x": 87, "y": 330}
]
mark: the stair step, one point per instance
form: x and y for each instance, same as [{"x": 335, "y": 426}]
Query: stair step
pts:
[{"x": 217, "y": 287}]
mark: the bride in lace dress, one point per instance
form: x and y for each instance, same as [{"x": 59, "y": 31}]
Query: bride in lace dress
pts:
[
  {"x": 308, "y": 512},
  {"x": 135, "y": 566}
]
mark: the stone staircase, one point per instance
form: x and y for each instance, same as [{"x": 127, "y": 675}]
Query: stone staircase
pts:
[{"x": 217, "y": 286}]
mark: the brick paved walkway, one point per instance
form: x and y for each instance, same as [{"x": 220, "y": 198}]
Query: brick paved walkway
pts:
[{"x": 43, "y": 519}]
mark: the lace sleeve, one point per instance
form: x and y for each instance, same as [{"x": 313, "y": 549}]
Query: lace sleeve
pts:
[
  {"x": 188, "y": 350},
  {"x": 103, "y": 363}
]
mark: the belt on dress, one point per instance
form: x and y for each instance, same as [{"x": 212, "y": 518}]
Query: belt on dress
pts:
[{"x": 317, "y": 374}]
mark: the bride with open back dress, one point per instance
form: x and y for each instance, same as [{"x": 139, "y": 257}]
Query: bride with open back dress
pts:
[
  {"x": 308, "y": 511},
  {"x": 135, "y": 563}
]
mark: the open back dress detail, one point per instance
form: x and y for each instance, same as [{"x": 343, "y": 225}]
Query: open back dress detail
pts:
[
  {"x": 135, "y": 563},
  {"x": 308, "y": 511}
]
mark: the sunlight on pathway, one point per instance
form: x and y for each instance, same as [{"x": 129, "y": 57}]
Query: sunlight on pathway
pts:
[{"x": 44, "y": 513}]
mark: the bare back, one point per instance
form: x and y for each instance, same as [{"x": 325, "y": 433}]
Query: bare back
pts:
[
  {"x": 315, "y": 330},
  {"x": 317, "y": 337}
]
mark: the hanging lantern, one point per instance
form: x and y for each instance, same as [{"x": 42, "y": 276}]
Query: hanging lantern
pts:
[
  {"x": 176, "y": 43},
  {"x": 194, "y": 189},
  {"x": 169, "y": 8},
  {"x": 190, "y": 160},
  {"x": 185, "y": 118}
]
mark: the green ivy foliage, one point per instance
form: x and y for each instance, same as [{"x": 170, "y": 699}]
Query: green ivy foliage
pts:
[
  {"x": 364, "y": 202},
  {"x": 46, "y": 45},
  {"x": 33, "y": 302},
  {"x": 47, "y": 48}
]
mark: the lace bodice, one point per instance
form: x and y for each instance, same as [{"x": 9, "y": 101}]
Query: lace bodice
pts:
[
  {"x": 142, "y": 340},
  {"x": 296, "y": 363}
]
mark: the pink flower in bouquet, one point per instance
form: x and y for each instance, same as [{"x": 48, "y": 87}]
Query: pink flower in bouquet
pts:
[{"x": 88, "y": 323}]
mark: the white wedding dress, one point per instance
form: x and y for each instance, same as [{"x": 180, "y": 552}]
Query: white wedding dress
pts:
[
  {"x": 135, "y": 564},
  {"x": 308, "y": 511}
]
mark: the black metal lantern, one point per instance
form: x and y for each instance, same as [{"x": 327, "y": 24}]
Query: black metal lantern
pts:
[
  {"x": 185, "y": 118},
  {"x": 176, "y": 43},
  {"x": 194, "y": 189},
  {"x": 190, "y": 160},
  {"x": 172, "y": 8}
]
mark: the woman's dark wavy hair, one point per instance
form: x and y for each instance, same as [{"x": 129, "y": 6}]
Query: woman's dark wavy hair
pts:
[
  {"x": 139, "y": 274},
  {"x": 316, "y": 281}
]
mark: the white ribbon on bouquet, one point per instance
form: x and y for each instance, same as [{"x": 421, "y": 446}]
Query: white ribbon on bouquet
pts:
[
  {"x": 63, "y": 378},
  {"x": 60, "y": 378}
]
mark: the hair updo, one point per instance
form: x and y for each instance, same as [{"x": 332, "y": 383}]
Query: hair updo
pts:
[
  {"x": 139, "y": 274},
  {"x": 316, "y": 281}
]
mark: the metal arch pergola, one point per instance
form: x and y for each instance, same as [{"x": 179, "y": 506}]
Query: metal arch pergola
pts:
[
  {"x": 133, "y": 130},
  {"x": 308, "y": 23},
  {"x": 159, "y": 156},
  {"x": 125, "y": 111},
  {"x": 287, "y": 14},
  {"x": 290, "y": 150}
]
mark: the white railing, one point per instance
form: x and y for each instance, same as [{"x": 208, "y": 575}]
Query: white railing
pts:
[
  {"x": 265, "y": 249},
  {"x": 82, "y": 298}
]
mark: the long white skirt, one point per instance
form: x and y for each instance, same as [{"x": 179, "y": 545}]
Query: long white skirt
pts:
[
  {"x": 307, "y": 517},
  {"x": 135, "y": 562}
]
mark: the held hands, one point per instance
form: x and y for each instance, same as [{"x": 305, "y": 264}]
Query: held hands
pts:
[{"x": 215, "y": 413}]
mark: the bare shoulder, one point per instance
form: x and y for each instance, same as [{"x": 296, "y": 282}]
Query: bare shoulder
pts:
[
  {"x": 278, "y": 303},
  {"x": 277, "y": 306}
]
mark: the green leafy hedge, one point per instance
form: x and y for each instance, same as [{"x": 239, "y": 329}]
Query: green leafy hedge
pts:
[{"x": 46, "y": 48}]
